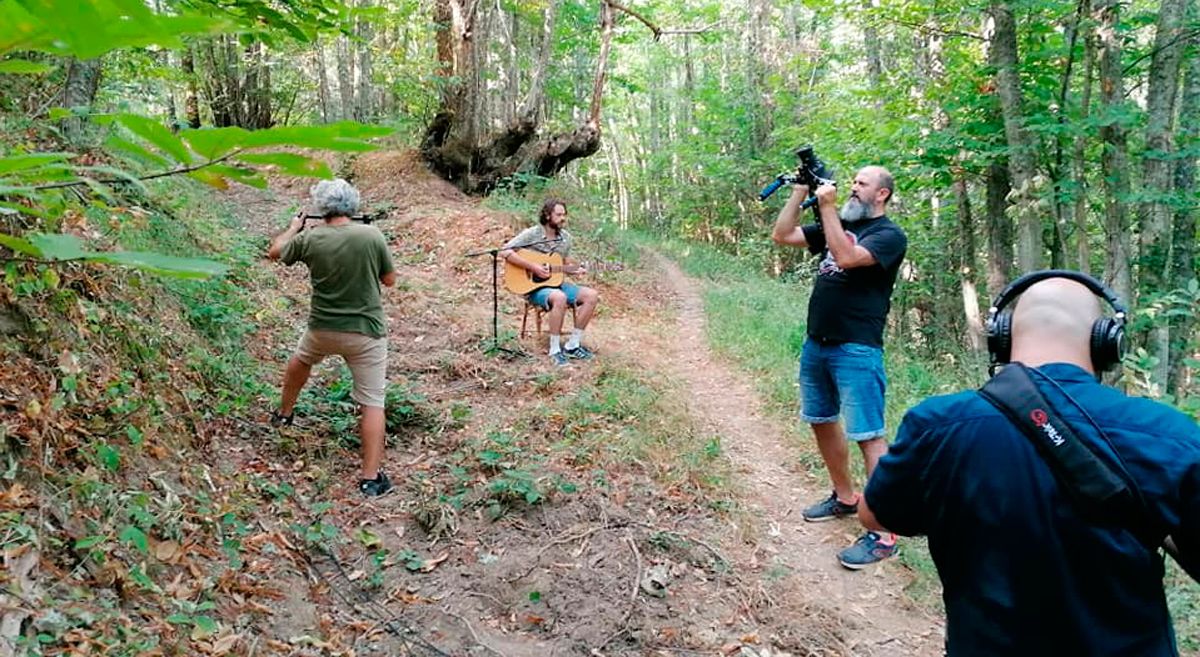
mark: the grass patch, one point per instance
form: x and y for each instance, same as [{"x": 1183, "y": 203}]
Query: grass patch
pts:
[
  {"x": 626, "y": 434},
  {"x": 1183, "y": 599},
  {"x": 626, "y": 416}
]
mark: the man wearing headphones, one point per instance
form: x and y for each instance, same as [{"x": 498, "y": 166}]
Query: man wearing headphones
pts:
[{"x": 1024, "y": 569}]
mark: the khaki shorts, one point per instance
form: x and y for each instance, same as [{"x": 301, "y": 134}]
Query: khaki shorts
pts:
[{"x": 366, "y": 356}]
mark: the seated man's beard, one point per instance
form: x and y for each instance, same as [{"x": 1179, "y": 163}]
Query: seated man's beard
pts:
[{"x": 855, "y": 210}]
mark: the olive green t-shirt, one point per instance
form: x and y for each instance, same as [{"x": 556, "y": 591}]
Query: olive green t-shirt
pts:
[{"x": 345, "y": 263}]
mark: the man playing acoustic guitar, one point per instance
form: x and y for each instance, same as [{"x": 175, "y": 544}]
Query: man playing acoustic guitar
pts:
[{"x": 551, "y": 237}]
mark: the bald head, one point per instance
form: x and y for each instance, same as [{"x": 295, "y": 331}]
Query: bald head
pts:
[
  {"x": 1052, "y": 323},
  {"x": 872, "y": 190}
]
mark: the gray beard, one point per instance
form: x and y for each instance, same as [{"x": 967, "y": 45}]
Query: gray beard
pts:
[{"x": 855, "y": 210}]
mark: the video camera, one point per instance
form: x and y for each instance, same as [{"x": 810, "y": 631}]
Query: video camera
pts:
[{"x": 811, "y": 172}]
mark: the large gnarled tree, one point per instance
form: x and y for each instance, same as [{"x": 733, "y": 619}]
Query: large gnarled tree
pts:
[{"x": 456, "y": 143}]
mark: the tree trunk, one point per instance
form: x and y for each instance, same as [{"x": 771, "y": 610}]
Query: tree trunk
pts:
[
  {"x": 1000, "y": 245},
  {"x": 219, "y": 85},
  {"x": 756, "y": 33},
  {"x": 606, "y": 31},
  {"x": 621, "y": 193},
  {"x": 234, "y": 81},
  {"x": 967, "y": 266},
  {"x": 1063, "y": 206},
  {"x": 476, "y": 163},
  {"x": 345, "y": 72},
  {"x": 512, "y": 76},
  {"x": 79, "y": 92},
  {"x": 944, "y": 319},
  {"x": 1003, "y": 55},
  {"x": 1183, "y": 269},
  {"x": 475, "y": 98},
  {"x": 530, "y": 109},
  {"x": 191, "y": 102},
  {"x": 872, "y": 45},
  {"x": 324, "y": 100},
  {"x": 164, "y": 58},
  {"x": 257, "y": 88},
  {"x": 1114, "y": 159},
  {"x": 689, "y": 82},
  {"x": 363, "y": 109},
  {"x": 1155, "y": 220},
  {"x": 1079, "y": 155}
]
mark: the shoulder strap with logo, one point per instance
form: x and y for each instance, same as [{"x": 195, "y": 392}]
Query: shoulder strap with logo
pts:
[
  {"x": 1100, "y": 494},
  {"x": 1088, "y": 480}
]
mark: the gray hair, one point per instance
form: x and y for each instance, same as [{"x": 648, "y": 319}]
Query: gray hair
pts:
[{"x": 334, "y": 198}]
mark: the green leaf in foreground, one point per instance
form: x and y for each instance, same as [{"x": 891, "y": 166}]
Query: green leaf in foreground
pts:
[
  {"x": 19, "y": 245},
  {"x": 69, "y": 247},
  {"x": 165, "y": 265},
  {"x": 15, "y": 163},
  {"x": 158, "y": 135},
  {"x": 23, "y": 67},
  {"x": 58, "y": 246},
  {"x": 290, "y": 163},
  {"x": 135, "y": 537}
]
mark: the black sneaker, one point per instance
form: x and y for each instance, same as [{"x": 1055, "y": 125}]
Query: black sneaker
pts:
[
  {"x": 581, "y": 353},
  {"x": 280, "y": 420},
  {"x": 829, "y": 509},
  {"x": 375, "y": 487},
  {"x": 559, "y": 359}
]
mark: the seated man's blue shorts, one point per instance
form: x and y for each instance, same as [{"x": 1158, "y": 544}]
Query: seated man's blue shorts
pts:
[
  {"x": 541, "y": 296},
  {"x": 846, "y": 377}
]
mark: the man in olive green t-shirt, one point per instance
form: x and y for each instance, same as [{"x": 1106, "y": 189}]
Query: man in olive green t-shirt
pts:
[{"x": 347, "y": 262}]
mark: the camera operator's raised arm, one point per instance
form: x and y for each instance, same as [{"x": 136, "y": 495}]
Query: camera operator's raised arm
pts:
[
  {"x": 277, "y": 244},
  {"x": 786, "y": 231},
  {"x": 846, "y": 254}
]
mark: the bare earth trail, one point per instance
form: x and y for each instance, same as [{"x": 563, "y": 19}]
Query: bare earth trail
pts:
[{"x": 871, "y": 601}]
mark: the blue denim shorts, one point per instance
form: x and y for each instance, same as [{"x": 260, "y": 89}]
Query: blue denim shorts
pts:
[
  {"x": 541, "y": 296},
  {"x": 845, "y": 377}
]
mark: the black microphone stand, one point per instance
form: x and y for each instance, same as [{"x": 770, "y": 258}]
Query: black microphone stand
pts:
[{"x": 495, "y": 253}]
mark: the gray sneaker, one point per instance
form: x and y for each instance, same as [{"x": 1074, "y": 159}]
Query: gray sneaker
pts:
[
  {"x": 830, "y": 508},
  {"x": 559, "y": 359},
  {"x": 868, "y": 549}
]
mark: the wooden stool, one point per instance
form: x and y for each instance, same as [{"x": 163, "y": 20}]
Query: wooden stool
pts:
[{"x": 538, "y": 311}]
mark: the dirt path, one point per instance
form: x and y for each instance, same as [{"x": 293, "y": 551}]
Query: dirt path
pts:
[{"x": 872, "y": 600}]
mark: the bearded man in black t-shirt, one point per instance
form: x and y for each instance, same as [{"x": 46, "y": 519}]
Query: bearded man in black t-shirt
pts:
[{"x": 841, "y": 365}]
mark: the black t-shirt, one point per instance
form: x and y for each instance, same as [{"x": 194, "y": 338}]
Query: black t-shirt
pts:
[{"x": 851, "y": 305}]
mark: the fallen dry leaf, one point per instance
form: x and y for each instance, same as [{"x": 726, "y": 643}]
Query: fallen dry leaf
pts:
[
  {"x": 225, "y": 644},
  {"x": 434, "y": 562},
  {"x": 16, "y": 497},
  {"x": 167, "y": 551}
]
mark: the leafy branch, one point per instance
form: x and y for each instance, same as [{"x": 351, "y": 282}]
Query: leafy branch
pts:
[
  {"x": 212, "y": 156},
  {"x": 162, "y": 174}
]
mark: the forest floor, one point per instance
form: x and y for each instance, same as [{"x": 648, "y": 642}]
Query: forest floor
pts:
[{"x": 670, "y": 550}]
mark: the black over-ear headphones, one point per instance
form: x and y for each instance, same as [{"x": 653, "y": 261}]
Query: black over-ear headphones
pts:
[{"x": 1108, "y": 333}]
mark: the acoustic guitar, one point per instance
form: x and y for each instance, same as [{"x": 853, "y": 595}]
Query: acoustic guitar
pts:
[{"x": 520, "y": 280}]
